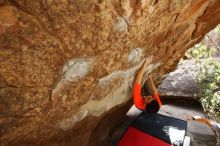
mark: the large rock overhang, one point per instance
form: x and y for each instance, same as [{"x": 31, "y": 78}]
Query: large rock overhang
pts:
[{"x": 66, "y": 67}]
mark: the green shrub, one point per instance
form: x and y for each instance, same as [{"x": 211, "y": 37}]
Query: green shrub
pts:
[{"x": 208, "y": 76}]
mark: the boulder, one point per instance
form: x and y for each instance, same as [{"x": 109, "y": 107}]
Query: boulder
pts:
[
  {"x": 181, "y": 82},
  {"x": 66, "y": 67}
]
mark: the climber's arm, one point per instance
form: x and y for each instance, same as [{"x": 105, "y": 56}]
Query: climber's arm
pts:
[
  {"x": 140, "y": 73},
  {"x": 205, "y": 121},
  {"x": 202, "y": 120},
  {"x": 138, "y": 100},
  {"x": 154, "y": 90},
  {"x": 153, "y": 87}
]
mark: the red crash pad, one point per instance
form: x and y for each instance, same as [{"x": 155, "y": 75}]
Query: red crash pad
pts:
[{"x": 134, "y": 137}]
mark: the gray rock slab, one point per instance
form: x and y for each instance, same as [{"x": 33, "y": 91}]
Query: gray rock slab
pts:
[{"x": 181, "y": 81}]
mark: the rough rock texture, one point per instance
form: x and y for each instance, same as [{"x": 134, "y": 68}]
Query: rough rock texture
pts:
[
  {"x": 212, "y": 39},
  {"x": 181, "y": 82},
  {"x": 66, "y": 65}
]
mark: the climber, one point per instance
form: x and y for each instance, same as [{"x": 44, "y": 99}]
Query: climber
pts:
[
  {"x": 150, "y": 104},
  {"x": 214, "y": 125}
]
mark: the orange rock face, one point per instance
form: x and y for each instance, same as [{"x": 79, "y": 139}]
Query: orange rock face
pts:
[{"x": 66, "y": 67}]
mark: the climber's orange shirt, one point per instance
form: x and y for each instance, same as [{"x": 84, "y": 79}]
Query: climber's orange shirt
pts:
[{"x": 139, "y": 100}]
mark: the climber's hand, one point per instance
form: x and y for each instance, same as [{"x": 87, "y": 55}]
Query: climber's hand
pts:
[
  {"x": 150, "y": 76},
  {"x": 147, "y": 61}
]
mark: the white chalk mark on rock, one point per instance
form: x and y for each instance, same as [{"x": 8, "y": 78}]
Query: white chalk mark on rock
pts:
[
  {"x": 73, "y": 71},
  {"x": 118, "y": 96},
  {"x": 135, "y": 56},
  {"x": 76, "y": 69},
  {"x": 68, "y": 123},
  {"x": 120, "y": 25},
  {"x": 96, "y": 107}
]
